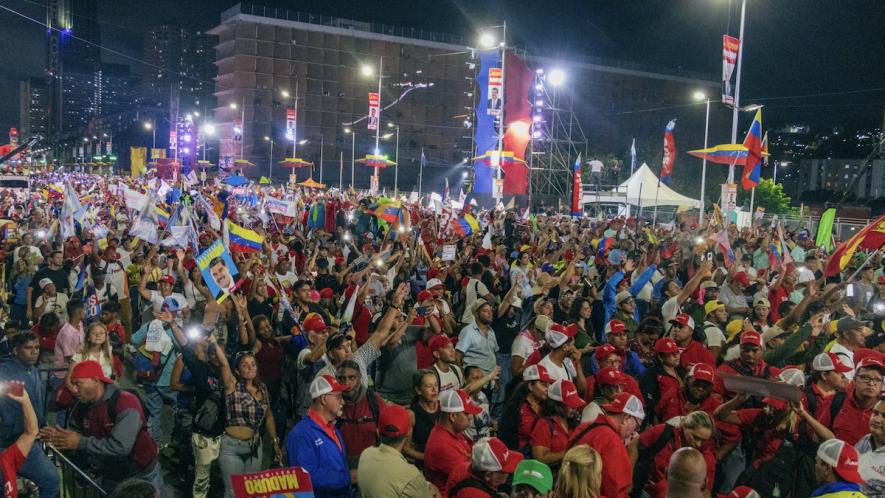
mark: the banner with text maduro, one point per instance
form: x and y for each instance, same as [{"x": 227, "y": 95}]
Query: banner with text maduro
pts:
[
  {"x": 518, "y": 80},
  {"x": 485, "y": 134},
  {"x": 289, "y": 482}
]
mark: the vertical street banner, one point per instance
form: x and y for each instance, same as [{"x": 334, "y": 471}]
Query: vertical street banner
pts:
[
  {"x": 137, "y": 161},
  {"x": 109, "y": 145},
  {"x": 485, "y": 134},
  {"x": 730, "y": 47},
  {"x": 669, "y": 159},
  {"x": 517, "y": 123},
  {"x": 173, "y": 140},
  {"x": 238, "y": 130},
  {"x": 374, "y": 110},
  {"x": 496, "y": 82},
  {"x": 287, "y": 482},
  {"x": 290, "y": 123},
  {"x": 577, "y": 191}
]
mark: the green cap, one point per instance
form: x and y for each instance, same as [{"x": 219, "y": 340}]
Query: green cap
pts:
[{"x": 535, "y": 474}]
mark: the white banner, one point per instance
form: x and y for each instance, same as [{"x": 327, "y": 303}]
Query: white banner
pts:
[
  {"x": 278, "y": 206},
  {"x": 374, "y": 110},
  {"x": 135, "y": 200}
]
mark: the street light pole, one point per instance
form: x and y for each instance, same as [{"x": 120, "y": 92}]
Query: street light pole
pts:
[
  {"x": 378, "y": 128},
  {"x": 737, "y": 89},
  {"x": 322, "y": 144},
  {"x": 396, "y": 168},
  {"x": 352, "y": 154},
  {"x": 499, "y": 195},
  {"x": 704, "y": 166}
]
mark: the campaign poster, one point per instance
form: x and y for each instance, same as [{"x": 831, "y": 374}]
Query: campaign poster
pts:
[
  {"x": 288, "y": 482},
  {"x": 374, "y": 110},
  {"x": 218, "y": 271},
  {"x": 290, "y": 123},
  {"x": 487, "y": 123},
  {"x": 496, "y": 81}
]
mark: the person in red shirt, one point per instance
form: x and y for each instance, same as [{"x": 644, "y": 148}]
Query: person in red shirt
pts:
[
  {"x": 780, "y": 290},
  {"x": 609, "y": 435},
  {"x": 694, "y": 431},
  {"x": 852, "y": 420},
  {"x": 682, "y": 330},
  {"x": 447, "y": 447},
  {"x": 827, "y": 379},
  {"x": 697, "y": 394},
  {"x": 748, "y": 364},
  {"x": 12, "y": 458},
  {"x": 666, "y": 374},
  {"x": 527, "y": 398},
  {"x": 491, "y": 464},
  {"x": 549, "y": 438}
]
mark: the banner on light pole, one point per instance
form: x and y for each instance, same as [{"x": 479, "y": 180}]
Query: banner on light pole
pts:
[
  {"x": 496, "y": 83},
  {"x": 730, "y": 47},
  {"x": 290, "y": 123},
  {"x": 374, "y": 110}
]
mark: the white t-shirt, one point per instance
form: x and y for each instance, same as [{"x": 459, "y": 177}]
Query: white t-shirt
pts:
[
  {"x": 57, "y": 304},
  {"x": 715, "y": 337},
  {"x": 670, "y": 309},
  {"x": 475, "y": 290},
  {"x": 157, "y": 304},
  {"x": 524, "y": 345},
  {"x": 565, "y": 372},
  {"x": 449, "y": 380},
  {"x": 114, "y": 275},
  {"x": 287, "y": 280}
]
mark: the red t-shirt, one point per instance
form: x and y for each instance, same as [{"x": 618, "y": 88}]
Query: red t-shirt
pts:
[
  {"x": 10, "y": 461},
  {"x": 769, "y": 441},
  {"x": 696, "y": 352},
  {"x": 527, "y": 420},
  {"x": 823, "y": 400},
  {"x": 617, "y": 470},
  {"x": 776, "y": 296},
  {"x": 852, "y": 422},
  {"x": 657, "y": 477},
  {"x": 549, "y": 433},
  {"x": 674, "y": 404},
  {"x": 444, "y": 452}
]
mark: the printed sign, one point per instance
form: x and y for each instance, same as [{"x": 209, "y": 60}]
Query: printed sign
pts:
[
  {"x": 448, "y": 253},
  {"x": 374, "y": 110},
  {"x": 289, "y": 482},
  {"x": 496, "y": 82},
  {"x": 290, "y": 123},
  {"x": 278, "y": 206},
  {"x": 218, "y": 270}
]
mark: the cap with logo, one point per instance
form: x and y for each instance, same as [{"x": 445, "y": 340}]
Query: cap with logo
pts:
[
  {"x": 752, "y": 338},
  {"x": 424, "y": 295},
  {"x": 626, "y": 403},
  {"x": 792, "y": 376},
  {"x": 566, "y": 393},
  {"x": 325, "y": 384},
  {"x": 762, "y": 302},
  {"x": 842, "y": 457},
  {"x": 44, "y": 282},
  {"x": 609, "y": 376},
  {"x": 604, "y": 351},
  {"x": 702, "y": 371},
  {"x": 393, "y": 421},
  {"x": 536, "y": 372},
  {"x": 535, "y": 474},
  {"x": 871, "y": 362},
  {"x": 826, "y": 362},
  {"x": 438, "y": 342},
  {"x": 435, "y": 283},
  {"x": 683, "y": 320},
  {"x": 314, "y": 323},
  {"x": 490, "y": 454},
  {"x": 457, "y": 401},
  {"x": 666, "y": 345},
  {"x": 615, "y": 327},
  {"x": 168, "y": 279},
  {"x": 557, "y": 334},
  {"x": 743, "y": 492}
]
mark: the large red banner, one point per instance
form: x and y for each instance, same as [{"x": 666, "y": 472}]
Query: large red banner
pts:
[{"x": 518, "y": 118}]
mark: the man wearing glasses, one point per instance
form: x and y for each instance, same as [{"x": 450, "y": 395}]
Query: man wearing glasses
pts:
[{"x": 852, "y": 420}]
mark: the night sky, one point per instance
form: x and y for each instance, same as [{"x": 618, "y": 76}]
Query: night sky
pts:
[{"x": 795, "y": 50}]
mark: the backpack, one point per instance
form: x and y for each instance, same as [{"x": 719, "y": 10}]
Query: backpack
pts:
[
  {"x": 790, "y": 470},
  {"x": 835, "y": 406},
  {"x": 148, "y": 366},
  {"x": 642, "y": 467},
  {"x": 471, "y": 482},
  {"x": 209, "y": 417},
  {"x": 112, "y": 404}
]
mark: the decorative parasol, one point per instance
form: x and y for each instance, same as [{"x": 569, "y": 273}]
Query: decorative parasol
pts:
[
  {"x": 295, "y": 162},
  {"x": 311, "y": 183},
  {"x": 376, "y": 161},
  {"x": 242, "y": 163},
  {"x": 204, "y": 164},
  {"x": 235, "y": 180},
  {"x": 506, "y": 157}
]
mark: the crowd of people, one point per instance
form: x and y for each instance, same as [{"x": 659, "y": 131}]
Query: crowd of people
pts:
[{"x": 433, "y": 351}]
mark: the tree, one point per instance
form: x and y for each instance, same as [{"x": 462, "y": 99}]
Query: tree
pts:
[{"x": 770, "y": 196}]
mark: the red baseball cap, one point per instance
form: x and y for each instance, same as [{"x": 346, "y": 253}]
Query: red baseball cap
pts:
[
  {"x": 625, "y": 403},
  {"x": 424, "y": 296},
  {"x": 741, "y": 278},
  {"x": 537, "y": 372},
  {"x": 666, "y": 345},
  {"x": 89, "y": 369},
  {"x": 826, "y": 362},
  {"x": 683, "y": 319},
  {"x": 842, "y": 457},
  {"x": 751, "y": 337},
  {"x": 744, "y": 492},
  {"x": 604, "y": 351},
  {"x": 871, "y": 362},
  {"x": 314, "y": 323},
  {"x": 609, "y": 376},
  {"x": 702, "y": 371},
  {"x": 325, "y": 384},
  {"x": 615, "y": 327},
  {"x": 456, "y": 401},
  {"x": 327, "y": 293},
  {"x": 169, "y": 279},
  {"x": 566, "y": 393},
  {"x": 557, "y": 334},
  {"x": 393, "y": 421},
  {"x": 776, "y": 403},
  {"x": 438, "y": 342}
]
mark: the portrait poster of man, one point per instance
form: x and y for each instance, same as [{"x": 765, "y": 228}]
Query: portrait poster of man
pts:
[
  {"x": 218, "y": 271},
  {"x": 494, "y": 102}
]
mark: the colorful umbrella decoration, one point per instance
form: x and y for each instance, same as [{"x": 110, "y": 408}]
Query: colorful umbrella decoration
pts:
[
  {"x": 243, "y": 163},
  {"x": 204, "y": 164},
  {"x": 311, "y": 183},
  {"x": 296, "y": 162},
  {"x": 376, "y": 161},
  {"x": 235, "y": 180}
]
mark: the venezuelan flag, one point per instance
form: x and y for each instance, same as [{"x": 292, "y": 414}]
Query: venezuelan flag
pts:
[
  {"x": 162, "y": 216},
  {"x": 752, "y": 173},
  {"x": 388, "y": 210},
  {"x": 242, "y": 239},
  {"x": 56, "y": 190},
  {"x": 723, "y": 154}
]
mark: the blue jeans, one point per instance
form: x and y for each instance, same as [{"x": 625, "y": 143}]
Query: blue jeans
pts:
[
  {"x": 503, "y": 380},
  {"x": 39, "y": 469},
  {"x": 237, "y": 457},
  {"x": 154, "y": 397}
]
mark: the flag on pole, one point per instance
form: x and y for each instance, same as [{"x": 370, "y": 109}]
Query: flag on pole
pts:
[
  {"x": 722, "y": 154},
  {"x": 730, "y": 47},
  {"x": 445, "y": 194},
  {"x": 577, "y": 191},
  {"x": 871, "y": 237},
  {"x": 753, "y": 142},
  {"x": 824, "y": 237},
  {"x": 669, "y": 158},
  {"x": 242, "y": 239},
  {"x": 724, "y": 246},
  {"x": 633, "y": 157}
]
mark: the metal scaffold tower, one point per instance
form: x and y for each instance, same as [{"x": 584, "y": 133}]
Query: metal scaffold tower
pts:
[{"x": 557, "y": 137}]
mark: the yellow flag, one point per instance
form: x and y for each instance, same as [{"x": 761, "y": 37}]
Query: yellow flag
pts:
[{"x": 137, "y": 160}]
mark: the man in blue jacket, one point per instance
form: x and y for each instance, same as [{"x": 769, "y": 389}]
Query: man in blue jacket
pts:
[{"x": 316, "y": 445}]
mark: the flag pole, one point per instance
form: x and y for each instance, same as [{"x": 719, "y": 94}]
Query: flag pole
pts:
[
  {"x": 420, "y": 172},
  {"x": 654, "y": 218}
]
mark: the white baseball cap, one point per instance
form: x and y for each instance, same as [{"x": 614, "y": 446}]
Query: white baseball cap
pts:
[
  {"x": 434, "y": 282},
  {"x": 457, "y": 401},
  {"x": 490, "y": 454},
  {"x": 626, "y": 403},
  {"x": 325, "y": 384}
]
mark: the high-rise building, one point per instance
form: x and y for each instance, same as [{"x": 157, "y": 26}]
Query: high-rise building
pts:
[
  {"x": 72, "y": 63},
  {"x": 33, "y": 101},
  {"x": 181, "y": 59},
  {"x": 117, "y": 89}
]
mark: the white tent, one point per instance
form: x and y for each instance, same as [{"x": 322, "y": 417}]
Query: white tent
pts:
[{"x": 641, "y": 189}]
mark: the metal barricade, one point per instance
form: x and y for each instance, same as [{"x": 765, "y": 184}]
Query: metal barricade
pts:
[{"x": 75, "y": 482}]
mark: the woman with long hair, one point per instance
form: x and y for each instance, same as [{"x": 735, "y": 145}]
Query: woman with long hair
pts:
[
  {"x": 580, "y": 474},
  {"x": 579, "y": 314},
  {"x": 694, "y": 430},
  {"x": 559, "y": 416},
  {"x": 246, "y": 408},
  {"x": 22, "y": 274},
  {"x": 523, "y": 409},
  {"x": 96, "y": 346},
  {"x": 423, "y": 413}
]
